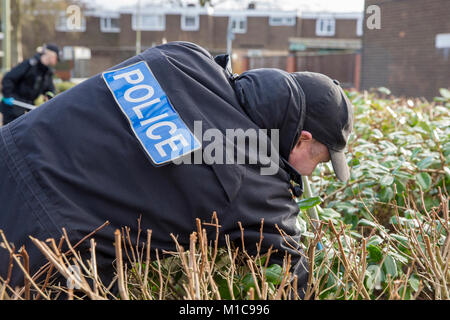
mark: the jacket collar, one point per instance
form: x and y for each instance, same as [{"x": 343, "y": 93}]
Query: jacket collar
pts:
[{"x": 296, "y": 183}]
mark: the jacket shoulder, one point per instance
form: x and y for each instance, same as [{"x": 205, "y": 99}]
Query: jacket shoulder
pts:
[{"x": 32, "y": 61}]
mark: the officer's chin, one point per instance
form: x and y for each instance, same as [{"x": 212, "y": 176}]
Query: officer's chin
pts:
[{"x": 306, "y": 171}]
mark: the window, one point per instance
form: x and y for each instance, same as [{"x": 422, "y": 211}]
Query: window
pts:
[
  {"x": 442, "y": 41},
  {"x": 190, "y": 22},
  {"x": 239, "y": 24},
  {"x": 109, "y": 24},
  {"x": 282, "y": 21},
  {"x": 325, "y": 26},
  {"x": 69, "y": 24},
  {"x": 76, "y": 53},
  {"x": 149, "y": 22},
  {"x": 359, "y": 27}
]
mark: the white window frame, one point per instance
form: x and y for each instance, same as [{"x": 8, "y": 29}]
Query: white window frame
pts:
[
  {"x": 62, "y": 27},
  {"x": 359, "y": 27},
  {"x": 160, "y": 27},
  {"x": 105, "y": 24},
  {"x": 328, "y": 21},
  {"x": 285, "y": 21},
  {"x": 184, "y": 27},
  {"x": 442, "y": 41},
  {"x": 238, "y": 20}
]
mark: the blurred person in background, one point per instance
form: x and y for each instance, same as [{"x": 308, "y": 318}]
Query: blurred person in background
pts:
[{"x": 27, "y": 81}]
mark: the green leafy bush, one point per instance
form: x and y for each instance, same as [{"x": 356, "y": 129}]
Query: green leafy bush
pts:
[
  {"x": 395, "y": 199},
  {"x": 62, "y": 86}
]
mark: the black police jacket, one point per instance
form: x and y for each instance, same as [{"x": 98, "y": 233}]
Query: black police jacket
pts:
[
  {"x": 28, "y": 80},
  {"x": 75, "y": 163}
]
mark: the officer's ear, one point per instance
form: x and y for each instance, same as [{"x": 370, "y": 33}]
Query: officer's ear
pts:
[
  {"x": 300, "y": 151},
  {"x": 305, "y": 136}
]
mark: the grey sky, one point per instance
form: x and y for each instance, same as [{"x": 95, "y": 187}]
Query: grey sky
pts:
[{"x": 306, "y": 5}]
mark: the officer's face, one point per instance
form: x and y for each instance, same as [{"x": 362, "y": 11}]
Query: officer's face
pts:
[
  {"x": 307, "y": 154},
  {"x": 49, "y": 58}
]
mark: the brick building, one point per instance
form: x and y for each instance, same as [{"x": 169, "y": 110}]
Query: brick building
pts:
[
  {"x": 262, "y": 37},
  {"x": 329, "y": 43},
  {"x": 410, "y": 54}
]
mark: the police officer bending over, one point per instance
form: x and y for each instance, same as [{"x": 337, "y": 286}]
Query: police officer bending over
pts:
[
  {"x": 27, "y": 81},
  {"x": 107, "y": 150}
]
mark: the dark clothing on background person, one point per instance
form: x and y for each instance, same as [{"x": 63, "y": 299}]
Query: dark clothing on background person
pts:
[
  {"x": 75, "y": 163},
  {"x": 25, "y": 82}
]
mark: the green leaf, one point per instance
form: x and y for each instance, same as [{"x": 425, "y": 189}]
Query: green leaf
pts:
[
  {"x": 373, "y": 277},
  {"x": 330, "y": 213},
  {"x": 414, "y": 282},
  {"x": 411, "y": 223},
  {"x": 377, "y": 134},
  {"x": 351, "y": 218},
  {"x": 400, "y": 259},
  {"x": 447, "y": 171},
  {"x": 407, "y": 294},
  {"x": 365, "y": 222},
  {"x": 375, "y": 253},
  {"x": 424, "y": 180},
  {"x": 425, "y": 126},
  {"x": 390, "y": 267},
  {"x": 387, "y": 180},
  {"x": 274, "y": 274},
  {"x": 247, "y": 282},
  {"x": 402, "y": 239},
  {"x": 301, "y": 224},
  {"x": 384, "y": 90},
  {"x": 309, "y": 203},
  {"x": 224, "y": 291},
  {"x": 374, "y": 241},
  {"x": 403, "y": 175},
  {"x": 445, "y": 93},
  {"x": 425, "y": 163},
  {"x": 386, "y": 194},
  {"x": 400, "y": 186},
  {"x": 345, "y": 207},
  {"x": 416, "y": 152}
]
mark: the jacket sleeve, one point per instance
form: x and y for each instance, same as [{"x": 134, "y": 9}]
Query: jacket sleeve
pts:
[
  {"x": 12, "y": 78},
  {"x": 49, "y": 86}
]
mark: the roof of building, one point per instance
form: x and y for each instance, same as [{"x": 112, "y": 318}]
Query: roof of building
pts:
[{"x": 262, "y": 8}]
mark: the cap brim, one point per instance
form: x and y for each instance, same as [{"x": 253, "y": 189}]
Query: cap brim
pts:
[{"x": 340, "y": 165}]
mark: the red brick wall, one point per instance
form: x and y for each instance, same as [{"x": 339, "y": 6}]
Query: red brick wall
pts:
[
  {"x": 345, "y": 28},
  {"x": 261, "y": 35},
  {"x": 339, "y": 66}
]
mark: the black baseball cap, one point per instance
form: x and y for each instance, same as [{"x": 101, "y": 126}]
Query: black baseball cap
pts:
[
  {"x": 329, "y": 116},
  {"x": 53, "y": 47}
]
